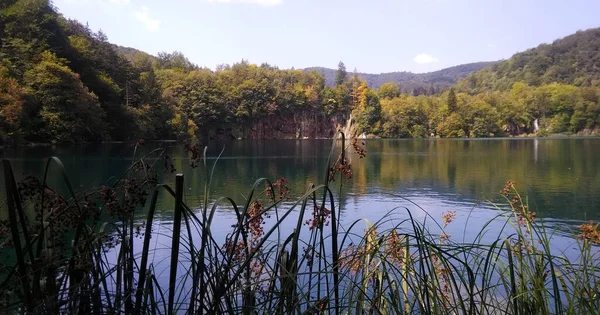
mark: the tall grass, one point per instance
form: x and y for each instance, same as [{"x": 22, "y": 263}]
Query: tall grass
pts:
[{"x": 75, "y": 253}]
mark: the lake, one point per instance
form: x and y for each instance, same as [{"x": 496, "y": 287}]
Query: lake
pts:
[{"x": 560, "y": 177}]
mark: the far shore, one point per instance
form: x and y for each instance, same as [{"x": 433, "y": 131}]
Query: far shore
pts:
[{"x": 519, "y": 137}]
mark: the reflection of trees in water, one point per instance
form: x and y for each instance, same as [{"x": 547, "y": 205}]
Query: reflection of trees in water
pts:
[
  {"x": 561, "y": 177},
  {"x": 563, "y": 181}
]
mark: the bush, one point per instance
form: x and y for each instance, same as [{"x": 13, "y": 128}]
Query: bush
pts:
[
  {"x": 542, "y": 132},
  {"x": 559, "y": 123}
]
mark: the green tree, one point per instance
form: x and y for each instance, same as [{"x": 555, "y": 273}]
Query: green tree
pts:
[
  {"x": 27, "y": 28},
  {"x": 341, "y": 75},
  {"x": 389, "y": 90},
  {"x": 67, "y": 111},
  {"x": 368, "y": 114},
  {"x": 403, "y": 117},
  {"x": 330, "y": 102},
  {"x": 200, "y": 98},
  {"x": 175, "y": 60},
  {"x": 452, "y": 100},
  {"x": 513, "y": 113},
  {"x": 452, "y": 126},
  {"x": 481, "y": 119},
  {"x": 156, "y": 110}
]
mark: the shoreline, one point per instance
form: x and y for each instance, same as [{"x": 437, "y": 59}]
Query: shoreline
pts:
[{"x": 521, "y": 137}]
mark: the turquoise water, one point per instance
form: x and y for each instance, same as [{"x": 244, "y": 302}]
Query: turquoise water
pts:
[{"x": 560, "y": 177}]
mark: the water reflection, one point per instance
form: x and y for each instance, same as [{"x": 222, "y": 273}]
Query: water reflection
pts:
[{"x": 561, "y": 177}]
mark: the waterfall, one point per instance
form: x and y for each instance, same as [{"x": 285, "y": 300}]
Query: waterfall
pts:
[{"x": 349, "y": 130}]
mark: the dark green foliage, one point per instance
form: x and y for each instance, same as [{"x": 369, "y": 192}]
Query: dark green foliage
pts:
[
  {"x": 91, "y": 90},
  {"x": 451, "y": 100},
  {"x": 29, "y": 27},
  {"x": 200, "y": 98},
  {"x": 571, "y": 60},
  {"x": 341, "y": 75},
  {"x": 78, "y": 87},
  {"x": 66, "y": 110},
  {"x": 175, "y": 60}
]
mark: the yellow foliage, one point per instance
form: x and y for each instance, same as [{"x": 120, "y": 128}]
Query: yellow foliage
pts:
[
  {"x": 11, "y": 103},
  {"x": 81, "y": 44},
  {"x": 192, "y": 129},
  {"x": 361, "y": 96}
]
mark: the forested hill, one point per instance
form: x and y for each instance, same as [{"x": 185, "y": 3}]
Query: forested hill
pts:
[
  {"x": 60, "y": 81},
  {"x": 412, "y": 82},
  {"x": 574, "y": 60},
  {"x": 131, "y": 53},
  {"x": 63, "y": 82}
]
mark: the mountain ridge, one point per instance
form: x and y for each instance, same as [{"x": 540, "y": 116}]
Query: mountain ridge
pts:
[
  {"x": 409, "y": 81},
  {"x": 573, "y": 59}
]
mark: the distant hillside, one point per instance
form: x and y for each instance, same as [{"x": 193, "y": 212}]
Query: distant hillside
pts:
[
  {"x": 130, "y": 53},
  {"x": 574, "y": 59},
  {"x": 175, "y": 59},
  {"x": 409, "y": 81},
  {"x": 422, "y": 83}
]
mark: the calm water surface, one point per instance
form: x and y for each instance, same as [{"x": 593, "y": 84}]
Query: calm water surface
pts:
[{"x": 561, "y": 177}]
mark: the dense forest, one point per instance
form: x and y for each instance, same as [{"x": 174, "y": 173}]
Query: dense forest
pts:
[
  {"x": 62, "y": 82},
  {"x": 573, "y": 60},
  {"x": 551, "y": 89},
  {"x": 541, "y": 110},
  {"x": 412, "y": 83}
]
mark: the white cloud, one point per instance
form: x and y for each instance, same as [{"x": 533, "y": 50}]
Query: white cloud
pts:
[
  {"x": 491, "y": 45},
  {"x": 144, "y": 17},
  {"x": 258, "y": 2},
  {"x": 425, "y": 58},
  {"x": 120, "y": 1}
]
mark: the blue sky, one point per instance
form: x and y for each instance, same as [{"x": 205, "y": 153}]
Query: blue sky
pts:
[{"x": 369, "y": 35}]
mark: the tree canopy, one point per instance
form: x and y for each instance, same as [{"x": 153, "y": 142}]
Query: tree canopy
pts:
[
  {"x": 62, "y": 82},
  {"x": 341, "y": 74}
]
